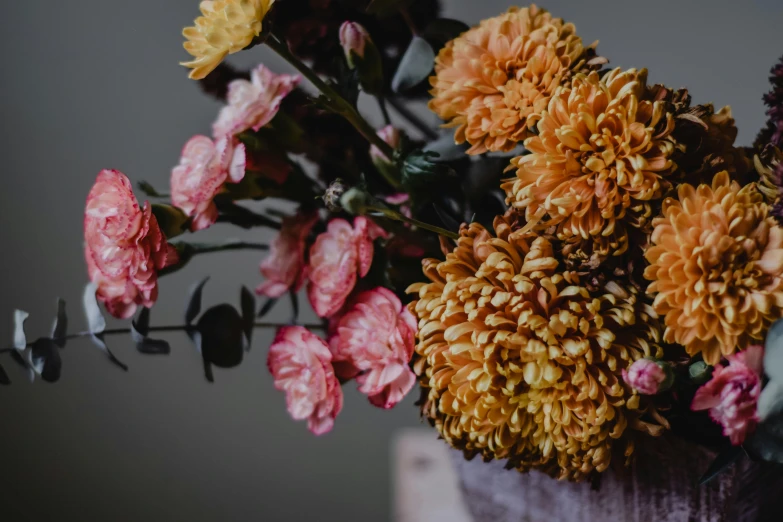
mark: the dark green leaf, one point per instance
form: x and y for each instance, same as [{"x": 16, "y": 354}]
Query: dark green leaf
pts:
[
  {"x": 95, "y": 320},
  {"x": 20, "y": 340},
  {"x": 173, "y": 222},
  {"x": 766, "y": 443},
  {"x": 219, "y": 337},
  {"x": 194, "y": 301},
  {"x": 60, "y": 326},
  {"x": 421, "y": 171},
  {"x": 770, "y": 401},
  {"x": 449, "y": 223},
  {"x": 44, "y": 358},
  {"x": 139, "y": 330},
  {"x": 773, "y": 351},
  {"x": 415, "y": 66},
  {"x": 267, "y": 306},
  {"x": 294, "y": 306},
  {"x": 4, "y": 379},
  {"x": 150, "y": 190},
  {"x": 442, "y": 30},
  {"x": 248, "y": 302},
  {"x": 724, "y": 459},
  {"x": 387, "y": 7}
]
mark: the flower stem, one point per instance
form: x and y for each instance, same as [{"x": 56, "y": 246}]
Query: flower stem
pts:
[
  {"x": 384, "y": 111},
  {"x": 171, "y": 328},
  {"x": 232, "y": 244},
  {"x": 338, "y": 103},
  {"x": 393, "y": 214}
]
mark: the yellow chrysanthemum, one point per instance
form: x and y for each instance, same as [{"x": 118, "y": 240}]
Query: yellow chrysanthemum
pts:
[
  {"x": 493, "y": 81},
  {"x": 519, "y": 360},
  {"x": 716, "y": 266},
  {"x": 226, "y": 27},
  {"x": 603, "y": 154}
]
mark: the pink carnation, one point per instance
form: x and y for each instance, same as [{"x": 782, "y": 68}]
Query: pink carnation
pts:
[
  {"x": 335, "y": 259},
  {"x": 300, "y": 363},
  {"x": 375, "y": 340},
  {"x": 284, "y": 268},
  {"x": 252, "y": 104},
  {"x": 123, "y": 246},
  {"x": 732, "y": 393},
  {"x": 205, "y": 166}
]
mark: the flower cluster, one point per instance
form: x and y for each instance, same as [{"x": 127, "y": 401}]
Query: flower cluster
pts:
[{"x": 615, "y": 274}]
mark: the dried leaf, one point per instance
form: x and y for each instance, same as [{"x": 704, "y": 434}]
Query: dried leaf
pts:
[
  {"x": 44, "y": 358},
  {"x": 4, "y": 379},
  {"x": 724, "y": 459}
]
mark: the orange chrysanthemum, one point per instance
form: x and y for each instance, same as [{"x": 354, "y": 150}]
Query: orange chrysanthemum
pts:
[
  {"x": 603, "y": 154},
  {"x": 716, "y": 266},
  {"x": 493, "y": 81},
  {"x": 519, "y": 360}
]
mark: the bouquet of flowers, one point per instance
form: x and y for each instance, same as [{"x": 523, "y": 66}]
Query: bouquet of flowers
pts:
[{"x": 577, "y": 261}]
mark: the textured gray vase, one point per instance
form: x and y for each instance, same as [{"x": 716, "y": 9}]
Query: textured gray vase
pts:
[{"x": 661, "y": 486}]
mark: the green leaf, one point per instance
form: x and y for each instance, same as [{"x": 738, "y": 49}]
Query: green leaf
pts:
[
  {"x": 20, "y": 340},
  {"x": 420, "y": 171},
  {"x": 770, "y": 401},
  {"x": 370, "y": 70},
  {"x": 60, "y": 326},
  {"x": 173, "y": 222},
  {"x": 724, "y": 459},
  {"x": 96, "y": 323},
  {"x": 149, "y": 190},
  {"x": 766, "y": 443},
  {"x": 267, "y": 306},
  {"x": 382, "y": 8},
  {"x": 773, "y": 351},
  {"x": 248, "y": 303},
  {"x": 194, "y": 301},
  {"x": 140, "y": 327},
  {"x": 44, "y": 358},
  {"x": 294, "y": 306},
  {"x": 442, "y": 30},
  {"x": 415, "y": 66},
  {"x": 220, "y": 338}
]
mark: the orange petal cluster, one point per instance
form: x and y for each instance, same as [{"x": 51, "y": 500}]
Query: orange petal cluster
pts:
[
  {"x": 519, "y": 360},
  {"x": 602, "y": 157},
  {"x": 492, "y": 82},
  {"x": 716, "y": 266}
]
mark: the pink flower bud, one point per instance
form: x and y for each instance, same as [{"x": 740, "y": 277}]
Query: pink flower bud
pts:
[
  {"x": 733, "y": 392},
  {"x": 648, "y": 376},
  {"x": 353, "y": 38}
]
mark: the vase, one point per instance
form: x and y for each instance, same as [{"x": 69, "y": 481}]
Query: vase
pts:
[{"x": 661, "y": 485}]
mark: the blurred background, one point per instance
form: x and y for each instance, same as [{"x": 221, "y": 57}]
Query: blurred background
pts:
[{"x": 91, "y": 84}]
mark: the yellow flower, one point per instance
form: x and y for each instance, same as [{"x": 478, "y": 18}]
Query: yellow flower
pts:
[
  {"x": 519, "y": 360},
  {"x": 493, "y": 81},
  {"x": 716, "y": 266},
  {"x": 226, "y": 27}
]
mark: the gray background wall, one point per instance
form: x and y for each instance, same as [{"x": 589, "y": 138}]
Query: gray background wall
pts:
[{"x": 88, "y": 84}]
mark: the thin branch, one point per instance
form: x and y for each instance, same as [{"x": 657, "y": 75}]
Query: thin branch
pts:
[
  {"x": 393, "y": 214},
  {"x": 171, "y": 328},
  {"x": 384, "y": 111}
]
